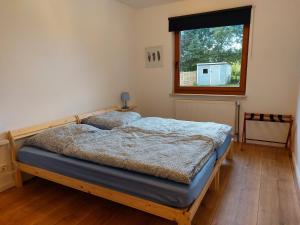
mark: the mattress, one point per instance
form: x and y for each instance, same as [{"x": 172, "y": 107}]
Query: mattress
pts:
[
  {"x": 156, "y": 189},
  {"x": 222, "y": 149}
]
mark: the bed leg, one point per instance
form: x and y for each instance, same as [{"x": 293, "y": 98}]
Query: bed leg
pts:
[
  {"x": 184, "y": 220},
  {"x": 18, "y": 178},
  {"x": 216, "y": 181},
  {"x": 229, "y": 155}
]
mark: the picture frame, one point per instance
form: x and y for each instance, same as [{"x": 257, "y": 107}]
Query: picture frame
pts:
[{"x": 154, "y": 57}]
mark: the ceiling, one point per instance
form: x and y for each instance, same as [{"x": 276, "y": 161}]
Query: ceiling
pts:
[{"x": 146, "y": 3}]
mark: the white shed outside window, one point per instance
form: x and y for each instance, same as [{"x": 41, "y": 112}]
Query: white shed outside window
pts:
[{"x": 213, "y": 74}]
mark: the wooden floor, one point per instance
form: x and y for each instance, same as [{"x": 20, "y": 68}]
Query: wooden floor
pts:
[{"x": 257, "y": 188}]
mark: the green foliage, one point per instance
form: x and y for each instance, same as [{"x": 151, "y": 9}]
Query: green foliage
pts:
[
  {"x": 208, "y": 45},
  {"x": 235, "y": 72}
]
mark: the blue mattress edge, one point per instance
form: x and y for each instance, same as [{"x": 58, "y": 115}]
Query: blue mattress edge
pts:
[{"x": 145, "y": 186}]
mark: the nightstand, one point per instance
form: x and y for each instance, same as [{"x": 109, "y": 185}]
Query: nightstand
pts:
[{"x": 130, "y": 109}]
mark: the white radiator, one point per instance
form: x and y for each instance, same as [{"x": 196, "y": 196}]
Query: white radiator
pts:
[{"x": 200, "y": 110}]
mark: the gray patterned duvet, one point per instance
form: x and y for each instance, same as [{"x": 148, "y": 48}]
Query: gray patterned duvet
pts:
[
  {"x": 214, "y": 131},
  {"x": 172, "y": 156}
]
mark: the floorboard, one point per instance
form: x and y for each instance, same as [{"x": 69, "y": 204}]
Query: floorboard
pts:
[{"x": 257, "y": 188}]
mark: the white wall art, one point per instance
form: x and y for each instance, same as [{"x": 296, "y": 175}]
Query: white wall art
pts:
[{"x": 154, "y": 57}]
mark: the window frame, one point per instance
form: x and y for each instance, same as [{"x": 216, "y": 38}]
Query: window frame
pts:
[{"x": 213, "y": 90}]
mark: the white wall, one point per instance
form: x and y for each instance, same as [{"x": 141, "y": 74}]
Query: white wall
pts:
[
  {"x": 59, "y": 58},
  {"x": 273, "y": 63}
]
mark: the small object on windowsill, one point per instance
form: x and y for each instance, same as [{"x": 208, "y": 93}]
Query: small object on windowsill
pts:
[{"x": 128, "y": 109}]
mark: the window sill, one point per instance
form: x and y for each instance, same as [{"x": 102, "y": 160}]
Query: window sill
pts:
[{"x": 179, "y": 95}]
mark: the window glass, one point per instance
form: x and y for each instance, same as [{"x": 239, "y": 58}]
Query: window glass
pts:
[{"x": 211, "y": 57}]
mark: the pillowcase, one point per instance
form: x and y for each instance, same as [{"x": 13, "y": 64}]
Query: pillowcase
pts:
[{"x": 109, "y": 120}]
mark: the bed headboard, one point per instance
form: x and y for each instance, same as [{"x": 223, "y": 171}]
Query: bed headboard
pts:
[
  {"x": 29, "y": 131},
  {"x": 4, "y": 138},
  {"x": 18, "y": 134},
  {"x": 32, "y": 130},
  {"x": 98, "y": 112},
  {"x": 11, "y": 137}
]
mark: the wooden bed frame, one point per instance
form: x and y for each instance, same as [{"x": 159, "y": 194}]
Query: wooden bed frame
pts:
[{"x": 181, "y": 216}]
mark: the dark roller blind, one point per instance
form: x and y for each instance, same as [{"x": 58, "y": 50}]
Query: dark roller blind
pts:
[{"x": 226, "y": 17}]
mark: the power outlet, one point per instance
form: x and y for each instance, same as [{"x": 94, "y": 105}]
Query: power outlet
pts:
[{"x": 3, "y": 168}]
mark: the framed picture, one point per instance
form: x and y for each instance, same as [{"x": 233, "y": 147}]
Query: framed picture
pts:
[{"x": 154, "y": 57}]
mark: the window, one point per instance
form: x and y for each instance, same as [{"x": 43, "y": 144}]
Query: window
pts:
[{"x": 211, "y": 51}]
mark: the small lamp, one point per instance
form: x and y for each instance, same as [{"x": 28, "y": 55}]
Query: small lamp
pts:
[{"x": 125, "y": 97}]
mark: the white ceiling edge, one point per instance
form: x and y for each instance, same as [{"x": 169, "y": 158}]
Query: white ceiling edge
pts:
[{"x": 146, "y": 3}]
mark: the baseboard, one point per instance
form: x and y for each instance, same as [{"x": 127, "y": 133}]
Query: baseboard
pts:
[
  {"x": 6, "y": 181},
  {"x": 296, "y": 171}
]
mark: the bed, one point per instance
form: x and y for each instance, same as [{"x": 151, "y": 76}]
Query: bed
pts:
[{"x": 164, "y": 198}]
